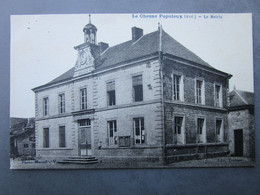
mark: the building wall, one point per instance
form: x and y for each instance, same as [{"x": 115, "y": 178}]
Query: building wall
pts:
[
  {"x": 124, "y": 110},
  {"x": 242, "y": 119},
  {"x": 189, "y": 76},
  {"x": 190, "y": 114},
  {"x": 53, "y": 124},
  {"x": 125, "y": 127},
  {"x": 190, "y": 110},
  {"x": 53, "y": 96}
]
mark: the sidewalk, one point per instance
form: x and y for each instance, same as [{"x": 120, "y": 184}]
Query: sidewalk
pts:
[{"x": 211, "y": 162}]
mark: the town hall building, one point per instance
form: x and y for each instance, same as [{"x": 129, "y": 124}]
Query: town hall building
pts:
[{"x": 147, "y": 99}]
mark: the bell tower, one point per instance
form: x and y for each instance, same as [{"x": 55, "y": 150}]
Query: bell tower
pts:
[
  {"x": 87, "y": 51},
  {"x": 90, "y": 33}
]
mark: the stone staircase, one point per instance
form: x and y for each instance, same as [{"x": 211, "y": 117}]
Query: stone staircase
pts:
[{"x": 79, "y": 160}]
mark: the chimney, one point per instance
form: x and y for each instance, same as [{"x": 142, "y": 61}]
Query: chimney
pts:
[
  {"x": 136, "y": 33},
  {"x": 103, "y": 46}
]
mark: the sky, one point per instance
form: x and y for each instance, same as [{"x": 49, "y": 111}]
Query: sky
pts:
[{"x": 42, "y": 46}]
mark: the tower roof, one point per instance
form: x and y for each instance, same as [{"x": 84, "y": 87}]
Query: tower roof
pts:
[{"x": 89, "y": 25}]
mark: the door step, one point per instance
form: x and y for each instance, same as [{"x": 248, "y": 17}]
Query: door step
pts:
[{"x": 79, "y": 160}]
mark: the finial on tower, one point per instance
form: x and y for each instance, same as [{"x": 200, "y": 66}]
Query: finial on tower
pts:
[{"x": 89, "y": 18}]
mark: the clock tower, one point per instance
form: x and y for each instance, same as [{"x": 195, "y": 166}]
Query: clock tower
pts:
[{"x": 87, "y": 51}]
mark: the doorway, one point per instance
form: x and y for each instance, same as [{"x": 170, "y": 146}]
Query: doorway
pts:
[
  {"x": 84, "y": 133},
  {"x": 239, "y": 142},
  {"x": 84, "y": 141}
]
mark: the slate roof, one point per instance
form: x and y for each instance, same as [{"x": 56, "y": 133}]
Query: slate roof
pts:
[
  {"x": 146, "y": 45},
  {"x": 240, "y": 98}
]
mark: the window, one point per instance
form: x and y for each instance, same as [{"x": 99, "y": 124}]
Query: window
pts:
[
  {"x": 61, "y": 103},
  {"x": 139, "y": 131},
  {"x": 219, "y": 130},
  {"x": 137, "y": 88},
  {"x": 111, "y": 93},
  {"x": 200, "y": 98},
  {"x": 83, "y": 99},
  {"x": 46, "y": 138},
  {"x": 178, "y": 130},
  {"x": 45, "y": 106},
  {"x": 84, "y": 122},
  {"x": 62, "y": 140},
  {"x": 124, "y": 141},
  {"x": 26, "y": 145},
  {"x": 177, "y": 125},
  {"x": 201, "y": 136},
  {"x": 177, "y": 87},
  {"x": 31, "y": 139},
  {"x": 112, "y": 129},
  {"x": 218, "y": 96}
]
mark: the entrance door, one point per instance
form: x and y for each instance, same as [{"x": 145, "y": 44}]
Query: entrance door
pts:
[
  {"x": 238, "y": 136},
  {"x": 85, "y": 141}
]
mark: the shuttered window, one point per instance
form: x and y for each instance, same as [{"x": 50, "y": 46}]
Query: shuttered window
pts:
[
  {"x": 46, "y": 138},
  {"x": 62, "y": 142}
]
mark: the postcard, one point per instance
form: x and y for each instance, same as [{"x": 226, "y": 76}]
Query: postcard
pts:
[{"x": 137, "y": 90}]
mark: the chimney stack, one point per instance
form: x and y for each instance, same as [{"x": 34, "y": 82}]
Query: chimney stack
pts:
[
  {"x": 136, "y": 33},
  {"x": 103, "y": 46}
]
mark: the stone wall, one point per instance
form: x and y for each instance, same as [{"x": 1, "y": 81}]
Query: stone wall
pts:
[
  {"x": 189, "y": 75},
  {"x": 190, "y": 110}
]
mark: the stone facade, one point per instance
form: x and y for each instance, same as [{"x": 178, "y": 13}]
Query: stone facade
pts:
[{"x": 189, "y": 110}]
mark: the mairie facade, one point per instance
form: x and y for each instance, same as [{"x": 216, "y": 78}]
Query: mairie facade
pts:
[{"x": 147, "y": 98}]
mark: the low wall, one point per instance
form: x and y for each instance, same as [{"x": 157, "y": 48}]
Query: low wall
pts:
[
  {"x": 55, "y": 153},
  {"x": 195, "y": 151},
  {"x": 139, "y": 154}
]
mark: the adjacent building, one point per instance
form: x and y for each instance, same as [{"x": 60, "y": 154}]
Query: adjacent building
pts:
[
  {"x": 242, "y": 123},
  {"x": 148, "y": 98},
  {"x": 22, "y": 137}
]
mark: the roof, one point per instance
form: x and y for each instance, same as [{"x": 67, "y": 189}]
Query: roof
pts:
[
  {"x": 21, "y": 125},
  {"x": 16, "y": 120},
  {"x": 240, "y": 98},
  {"x": 89, "y": 26},
  {"x": 145, "y": 46}
]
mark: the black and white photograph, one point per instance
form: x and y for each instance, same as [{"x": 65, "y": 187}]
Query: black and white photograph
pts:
[{"x": 137, "y": 90}]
